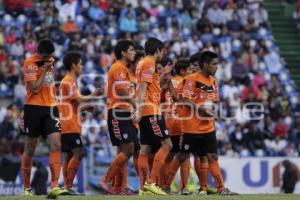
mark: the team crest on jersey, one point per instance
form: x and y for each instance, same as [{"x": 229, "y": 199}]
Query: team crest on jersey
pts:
[
  {"x": 121, "y": 75},
  {"x": 166, "y": 132},
  {"x": 125, "y": 136},
  {"x": 186, "y": 146}
]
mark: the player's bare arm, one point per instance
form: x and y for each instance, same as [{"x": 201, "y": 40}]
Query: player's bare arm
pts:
[{"x": 141, "y": 91}]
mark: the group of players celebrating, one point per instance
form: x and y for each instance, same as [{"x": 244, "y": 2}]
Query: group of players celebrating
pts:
[{"x": 157, "y": 112}]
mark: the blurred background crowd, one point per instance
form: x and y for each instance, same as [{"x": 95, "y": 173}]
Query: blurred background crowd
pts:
[{"x": 251, "y": 68}]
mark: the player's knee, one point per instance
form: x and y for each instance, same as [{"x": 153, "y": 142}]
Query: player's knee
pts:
[
  {"x": 79, "y": 154},
  {"x": 212, "y": 157},
  {"x": 182, "y": 157},
  {"x": 29, "y": 152},
  {"x": 55, "y": 146},
  {"x": 167, "y": 145}
]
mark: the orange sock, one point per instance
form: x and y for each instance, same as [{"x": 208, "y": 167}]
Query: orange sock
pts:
[
  {"x": 72, "y": 171},
  {"x": 173, "y": 168},
  {"x": 151, "y": 160},
  {"x": 184, "y": 172},
  {"x": 54, "y": 164},
  {"x": 143, "y": 167},
  {"x": 159, "y": 160},
  {"x": 26, "y": 170},
  {"x": 120, "y": 179},
  {"x": 204, "y": 175},
  {"x": 65, "y": 169},
  {"x": 115, "y": 167},
  {"x": 124, "y": 178},
  {"x": 164, "y": 174},
  {"x": 135, "y": 163},
  {"x": 197, "y": 166},
  {"x": 217, "y": 175}
]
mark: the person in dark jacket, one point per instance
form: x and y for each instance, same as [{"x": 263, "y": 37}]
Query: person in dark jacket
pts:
[{"x": 289, "y": 177}]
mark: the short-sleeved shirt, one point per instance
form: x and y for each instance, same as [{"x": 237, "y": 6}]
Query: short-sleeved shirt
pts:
[
  {"x": 68, "y": 108},
  {"x": 118, "y": 79},
  {"x": 32, "y": 72},
  {"x": 199, "y": 89},
  {"x": 145, "y": 72}
]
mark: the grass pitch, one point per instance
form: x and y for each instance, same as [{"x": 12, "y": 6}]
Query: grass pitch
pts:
[{"x": 173, "y": 197}]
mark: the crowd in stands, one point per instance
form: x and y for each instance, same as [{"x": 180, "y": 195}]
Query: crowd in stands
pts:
[{"x": 251, "y": 69}]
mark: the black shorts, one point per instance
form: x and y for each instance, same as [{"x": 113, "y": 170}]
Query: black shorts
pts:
[
  {"x": 153, "y": 130},
  {"x": 200, "y": 144},
  {"x": 41, "y": 120},
  {"x": 70, "y": 141},
  {"x": 120, "y": 127},
  {"x": 175, "y": 141}
]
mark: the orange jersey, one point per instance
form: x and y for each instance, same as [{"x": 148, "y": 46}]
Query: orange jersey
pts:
[
  {"x": 145, "y": 72},
  {"x": 173, "y": 111},
  {"x": 118, "y": 79},
  {"x": 68, "y": 108},
  {"x": 47, "y": 94},
  {"x": 199, "y": 89}
]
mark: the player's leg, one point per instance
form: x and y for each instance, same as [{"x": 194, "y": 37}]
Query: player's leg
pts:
[
  {"x": 51, "y": 128},
  {"x": 158, "y": 133},
  {"x": 165, "y": 168},
  {"x": 179, "y": 158},
  {"x": 210, "y": 145},
  {"x": 66, "y": 162},
  {"x": 184, "y": 174},
  {"x": 30, "y": 145},
  {"x": 32, "y": 130},
  {"x": 73, "y": 166}
]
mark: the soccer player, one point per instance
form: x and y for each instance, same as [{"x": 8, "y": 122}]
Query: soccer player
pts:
[
  {"x": 70, "y": 100},
  {"x": 120, "y": 182},
  {"x": 173, "y": 116},
  {"x": 200, "y": 91},
  {"x": 152, "y": 126},
  {"x": 120, "y": 105},
  {"x": 41, "y": 116}
]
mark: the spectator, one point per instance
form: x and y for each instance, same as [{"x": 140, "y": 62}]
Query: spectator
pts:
[
  {"x": 95, "y": 12},
  {"x": 128, "y": 23},
  {"x": 289, "y": 177},
  {"x": 17, "y": 49},
  {"x": 70, "y": 26},
  {"x": 215, "y": 15},
  {"x": 240, "y": 71}
]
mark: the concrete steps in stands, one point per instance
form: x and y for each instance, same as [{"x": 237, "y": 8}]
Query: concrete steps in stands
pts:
[{"x": 286, "y": 36}]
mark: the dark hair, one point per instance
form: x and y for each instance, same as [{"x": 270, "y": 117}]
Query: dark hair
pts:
[
  {"x": 164, "y": 61},
  {"x": 206, "y": 57},
  {"x": 122, "y": 46},
  {"x": 195, "y": 57},
  {"x": 152, "y": 45},
  {"x": 139, "y": 52},
  {"x": 71, "y": 57},
  {"x": 45, "y": 47},
  {"x": 181, "y": 64}
]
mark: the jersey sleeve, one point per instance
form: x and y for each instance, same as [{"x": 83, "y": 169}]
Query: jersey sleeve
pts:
[
  {"x": 30, "y": 72},
  {"x": 147, "y": 72},
  {"x": 121, "y": 79},
  {"x": 74, "y": 92},
  {"x": 188, "y": 88}
]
